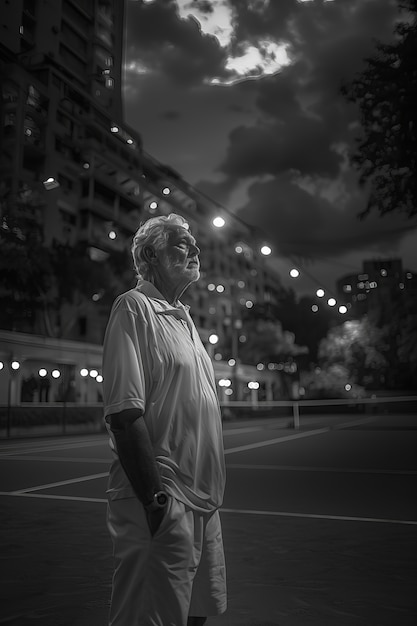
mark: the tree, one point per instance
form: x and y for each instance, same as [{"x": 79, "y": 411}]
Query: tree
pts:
[
  {"x": 358, "y": 346},
  {"x": 268, "y": 342},
  {"x": 44, "y": 289},
  {"x": 386, "y": 92},
  {"x": 81, "y": 282},
  {"x": 25, "y": 270}
]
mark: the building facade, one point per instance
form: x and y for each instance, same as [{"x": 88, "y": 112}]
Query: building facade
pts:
[
  {"x": 382, "y": 285},
  {"x": 75, "y": 171}
]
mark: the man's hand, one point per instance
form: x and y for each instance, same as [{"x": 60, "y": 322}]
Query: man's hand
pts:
[{"x": 154, "y": 519}]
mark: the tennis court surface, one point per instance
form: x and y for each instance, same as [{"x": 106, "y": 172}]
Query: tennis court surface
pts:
[{"x": 320, "y": 525}]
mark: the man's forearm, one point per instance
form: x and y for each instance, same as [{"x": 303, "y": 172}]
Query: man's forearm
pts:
[{"x": 137, "y": 456}]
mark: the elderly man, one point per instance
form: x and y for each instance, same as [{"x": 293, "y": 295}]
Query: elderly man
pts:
[{"x": 161, "y": 408}]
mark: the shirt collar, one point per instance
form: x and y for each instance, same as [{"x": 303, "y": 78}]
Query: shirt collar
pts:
[{"x": 150, "y": 291}]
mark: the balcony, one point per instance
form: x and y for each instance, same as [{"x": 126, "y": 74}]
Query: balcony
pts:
[
  {"x": 98, "y": 207},
  {"x": 97, "y": 237}
]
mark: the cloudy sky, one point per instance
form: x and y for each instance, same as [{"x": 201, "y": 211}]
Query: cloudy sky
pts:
[{"x": 242, "y": 98}]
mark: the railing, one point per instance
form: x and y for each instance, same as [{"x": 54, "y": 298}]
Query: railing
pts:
[
  {"x": 294, "y": 408},
  {"x": 32, "y": 419}
]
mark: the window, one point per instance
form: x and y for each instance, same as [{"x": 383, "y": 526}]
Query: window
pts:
[
  {"x": 10, "y": 93},
  {"x": 65, "y": 182},
  {"x": 68, "y": 218}
]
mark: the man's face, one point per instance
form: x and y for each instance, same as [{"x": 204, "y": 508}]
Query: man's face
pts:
[{"x": 179, "y": 257}]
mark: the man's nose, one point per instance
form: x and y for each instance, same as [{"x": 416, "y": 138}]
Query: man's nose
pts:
[{"x": 193, "y": 250}]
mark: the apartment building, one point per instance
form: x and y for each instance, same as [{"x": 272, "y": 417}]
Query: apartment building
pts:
[
  {"x": 73, "y": 169},
  {"x": 382, "y": 285}
]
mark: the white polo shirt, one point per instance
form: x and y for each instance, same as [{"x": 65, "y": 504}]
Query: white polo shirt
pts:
[{"x": 154, "y": 360}]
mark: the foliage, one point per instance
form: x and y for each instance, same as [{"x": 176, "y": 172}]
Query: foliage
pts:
[
  {"x": 360, "y": 347},
  {"x": 330, "y": 381},
  {"x": 386, "y": 92},
  {"x": 38, "y": 283},
  {"x": 268, "y": 342},
  {"x": 25, "y": 270}
]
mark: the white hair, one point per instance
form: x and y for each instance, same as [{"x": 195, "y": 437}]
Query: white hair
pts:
[{"x": 153, "y": 232}]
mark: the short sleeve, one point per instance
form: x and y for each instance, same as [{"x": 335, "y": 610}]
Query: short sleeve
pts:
[{"x": 125, "y": 354}]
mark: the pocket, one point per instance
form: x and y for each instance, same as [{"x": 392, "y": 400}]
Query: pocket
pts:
[{"x": 166, "y": 520}]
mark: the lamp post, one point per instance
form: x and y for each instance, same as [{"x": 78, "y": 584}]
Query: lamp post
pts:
[
  {"x": 236, "y": 326},
  {"x": 233, "y": 320},
  {"x": 13, "y": 370}
]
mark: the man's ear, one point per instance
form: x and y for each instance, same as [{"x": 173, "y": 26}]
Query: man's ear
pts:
[{"x": 150, "y": 255}]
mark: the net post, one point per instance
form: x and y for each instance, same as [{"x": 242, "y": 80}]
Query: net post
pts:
[{"x": 296, "y": 415}]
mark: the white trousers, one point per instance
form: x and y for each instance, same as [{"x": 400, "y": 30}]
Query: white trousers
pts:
[{"x": 164, "y": 579}]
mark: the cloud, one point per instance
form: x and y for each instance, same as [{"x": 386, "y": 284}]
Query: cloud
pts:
[
  {"x": 279, "y": 142},
  {"x": 160, "y": 41},
  {"x": 301, "y": 219},
  {"x": 171, "y": 115},
  {"x": 274, "y": 148},
  {"x": 301, "y": 112},
  {"x": 305, "y": 197},
  {"x": 203, "y": 6}
]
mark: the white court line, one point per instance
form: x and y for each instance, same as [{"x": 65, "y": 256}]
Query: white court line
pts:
[
  {"x": 241, "y": 431},
  {"x": 9, "y": 444},
  {"x": 341, "y": 518},
  {"x": 61, "y": 459},
  {"x": 307, "y": 433},
  {"x": 271, "y": 442},
  {"x": 60, "y": 483},
  {"x": 45, "y": 496},
  {"x": 342, "y": 470},
  {"x": 67, "y": 446}
]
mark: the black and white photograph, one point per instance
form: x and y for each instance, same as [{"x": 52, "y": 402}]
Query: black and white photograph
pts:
[{"x": 208, "y": 312}]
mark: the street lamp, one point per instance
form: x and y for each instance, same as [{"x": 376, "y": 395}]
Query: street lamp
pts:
[
  {"x": 14, "y": 368},
  {"x": 218, "y": 222},
  {"x": 50, "y": 183},
  {"x": 213, "y": 339},
  {"x": 266, "y": 250}
]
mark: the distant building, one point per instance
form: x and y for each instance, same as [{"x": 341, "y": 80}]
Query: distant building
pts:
[
  {"x": 382, "y": 284},
  {"x": 75, "y": 171}
]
